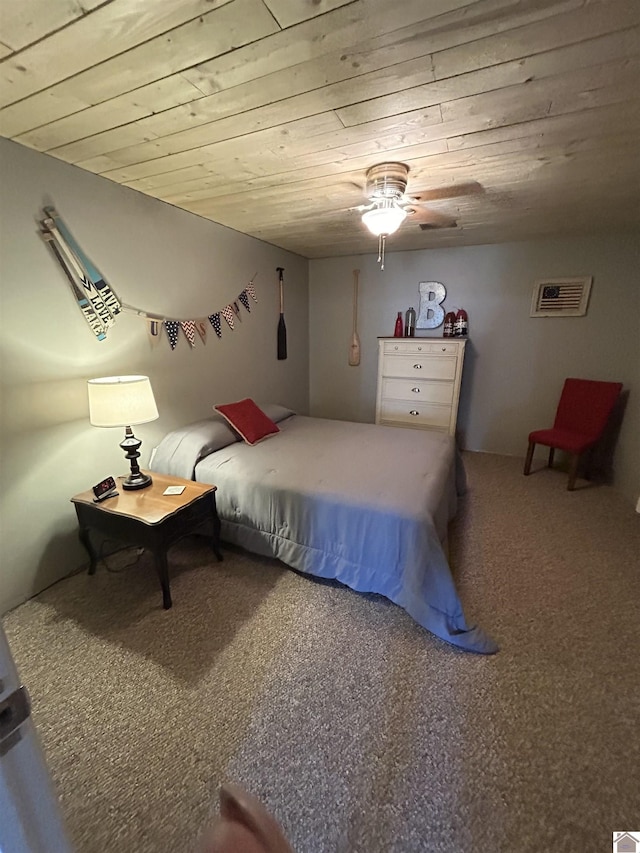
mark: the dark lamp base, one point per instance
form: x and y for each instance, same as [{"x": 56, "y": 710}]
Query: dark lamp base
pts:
[
  {"x": 140, "y": 481},
  {"x": 137, "y": 479}
]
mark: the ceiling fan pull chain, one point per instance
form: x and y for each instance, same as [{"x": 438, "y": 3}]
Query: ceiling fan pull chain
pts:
[
  {"x": 379, "y": 248},
  {"x": 383, "y": 241}
]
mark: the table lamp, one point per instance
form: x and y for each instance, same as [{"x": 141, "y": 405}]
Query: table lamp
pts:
[{"x": 123, "y": 401}]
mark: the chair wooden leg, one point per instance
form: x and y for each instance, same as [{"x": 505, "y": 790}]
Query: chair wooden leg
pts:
[
  {"x": 573, "y": 472},
  {"x": 527, "y": 461},
  {"x": 552, "y": 451},
  {"x": 588, "y": 459}
]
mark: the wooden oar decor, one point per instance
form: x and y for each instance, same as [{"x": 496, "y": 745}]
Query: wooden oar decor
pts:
[
  {"x": 354, "y": 348},
  {"x": 282, "y": 329}
]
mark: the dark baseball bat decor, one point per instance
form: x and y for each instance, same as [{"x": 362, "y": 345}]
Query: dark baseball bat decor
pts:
[{"x": 282, "y": 329}]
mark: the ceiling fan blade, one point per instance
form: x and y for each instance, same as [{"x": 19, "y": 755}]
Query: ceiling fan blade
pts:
[
  {"x": 358, "y": 185},
  {"x": 422, "y": 216},
  {"x": 453, "y": 191}
]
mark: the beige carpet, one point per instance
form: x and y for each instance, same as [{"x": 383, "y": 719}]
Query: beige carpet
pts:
[{"x": 359, "y": 730}]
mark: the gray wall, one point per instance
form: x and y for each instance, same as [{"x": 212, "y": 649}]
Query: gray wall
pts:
[
  {"x": 159, "y": 259},
  {"x": 514, "y": 365}
]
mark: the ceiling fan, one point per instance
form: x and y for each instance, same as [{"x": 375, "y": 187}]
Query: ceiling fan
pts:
[{"x": 389, "y": 204}]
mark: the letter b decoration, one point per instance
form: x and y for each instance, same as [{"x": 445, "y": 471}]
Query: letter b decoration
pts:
[{"x": 432, "y": 295}]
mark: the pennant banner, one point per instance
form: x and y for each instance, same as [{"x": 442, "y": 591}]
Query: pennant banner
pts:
[
  {"x": 100, "y": 305},
  {"x": 230, "y": 312}
]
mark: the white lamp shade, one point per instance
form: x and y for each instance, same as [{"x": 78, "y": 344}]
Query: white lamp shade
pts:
[
  {"x": 117, "y": 401},
  {"x": 384, "y": 220}
]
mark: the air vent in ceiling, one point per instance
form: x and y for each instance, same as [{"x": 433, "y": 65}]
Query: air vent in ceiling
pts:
[
  {"x": 431, "y": 226},
  {"x": 561, "y": 297}
]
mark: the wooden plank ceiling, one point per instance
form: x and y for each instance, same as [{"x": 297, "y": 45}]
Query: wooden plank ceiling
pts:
[{"x": 516, "y": 118}]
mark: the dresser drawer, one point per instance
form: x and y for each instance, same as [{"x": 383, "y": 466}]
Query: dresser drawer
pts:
[
  {"x": 415, "y": 414},
  {"x": 420, "y": 366},
  {"x": 409, "y": 347},
  {"x": 445, "y": 346},
  {"x": 417, "y": 390}
]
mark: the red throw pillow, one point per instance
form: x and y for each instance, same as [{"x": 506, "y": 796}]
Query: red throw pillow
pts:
[{"x": 248, "y": 419}]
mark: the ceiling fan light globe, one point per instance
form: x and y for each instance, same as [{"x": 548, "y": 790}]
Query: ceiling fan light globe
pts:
[{"x": 384, "y": 220}]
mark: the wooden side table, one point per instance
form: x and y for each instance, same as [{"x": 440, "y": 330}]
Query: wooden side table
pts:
[{"x": 150, "y": 519}]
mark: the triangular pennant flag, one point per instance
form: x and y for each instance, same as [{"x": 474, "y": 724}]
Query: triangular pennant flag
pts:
[
  {"x": 173, "y": 329},
  {"x": 189, "y": 328},
  {"x": 245, "y": 300},
  {"x": 214, "y": 319},
  {"x": 154, "y": 328},
  {"x": 227, "y": 313},
  {"x": 201, "y": 328},
  {"x": 251, "y": 291},
  {"x": 236, "y": 310}
]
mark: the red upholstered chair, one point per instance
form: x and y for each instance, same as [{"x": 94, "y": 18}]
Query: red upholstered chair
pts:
[
  {"x": 244, "y": 826},
  {"x": 583, "y": 411}
]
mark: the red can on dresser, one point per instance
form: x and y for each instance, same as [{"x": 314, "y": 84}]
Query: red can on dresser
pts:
[
  {"x": 461, "y": 326},
  {"x": 449, "y": 325}
]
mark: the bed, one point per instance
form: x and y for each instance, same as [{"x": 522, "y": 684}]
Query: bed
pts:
[{"x": 363, "y": 504}]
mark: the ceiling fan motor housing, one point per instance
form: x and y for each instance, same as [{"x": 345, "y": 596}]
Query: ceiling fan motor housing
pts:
[{"x": 387, "y": 181}]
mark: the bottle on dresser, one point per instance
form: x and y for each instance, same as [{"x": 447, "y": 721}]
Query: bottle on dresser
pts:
[{"x": 410, "y": 323}]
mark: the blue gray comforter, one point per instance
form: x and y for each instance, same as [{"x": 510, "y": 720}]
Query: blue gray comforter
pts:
[{"x": 363, "y": 504}]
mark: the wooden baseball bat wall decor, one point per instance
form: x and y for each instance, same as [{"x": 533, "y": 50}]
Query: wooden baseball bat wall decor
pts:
[
  {"x": 354, "y": 348},
  {"x": 282, "y": 329}
]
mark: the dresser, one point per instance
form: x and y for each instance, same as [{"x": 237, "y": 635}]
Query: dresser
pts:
[{"x": 419, "y": 382}]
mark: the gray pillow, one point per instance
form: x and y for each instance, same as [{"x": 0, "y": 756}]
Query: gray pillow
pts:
[
  {"x": 181, "y": 449},
  {"x": 276, "y": 412}
]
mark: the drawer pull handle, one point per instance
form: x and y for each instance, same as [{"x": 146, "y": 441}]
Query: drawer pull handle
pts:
[
  {"x": 419, "y": 349},
  {"x": 444, "y": 349},
  {"x": 418, "y": 366},
  {"x": 413, "y": 412},
  {"x": 416, "y": 390}
]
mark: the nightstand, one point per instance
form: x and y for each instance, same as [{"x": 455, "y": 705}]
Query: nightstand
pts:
[{"x": 147, "y": 518}]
